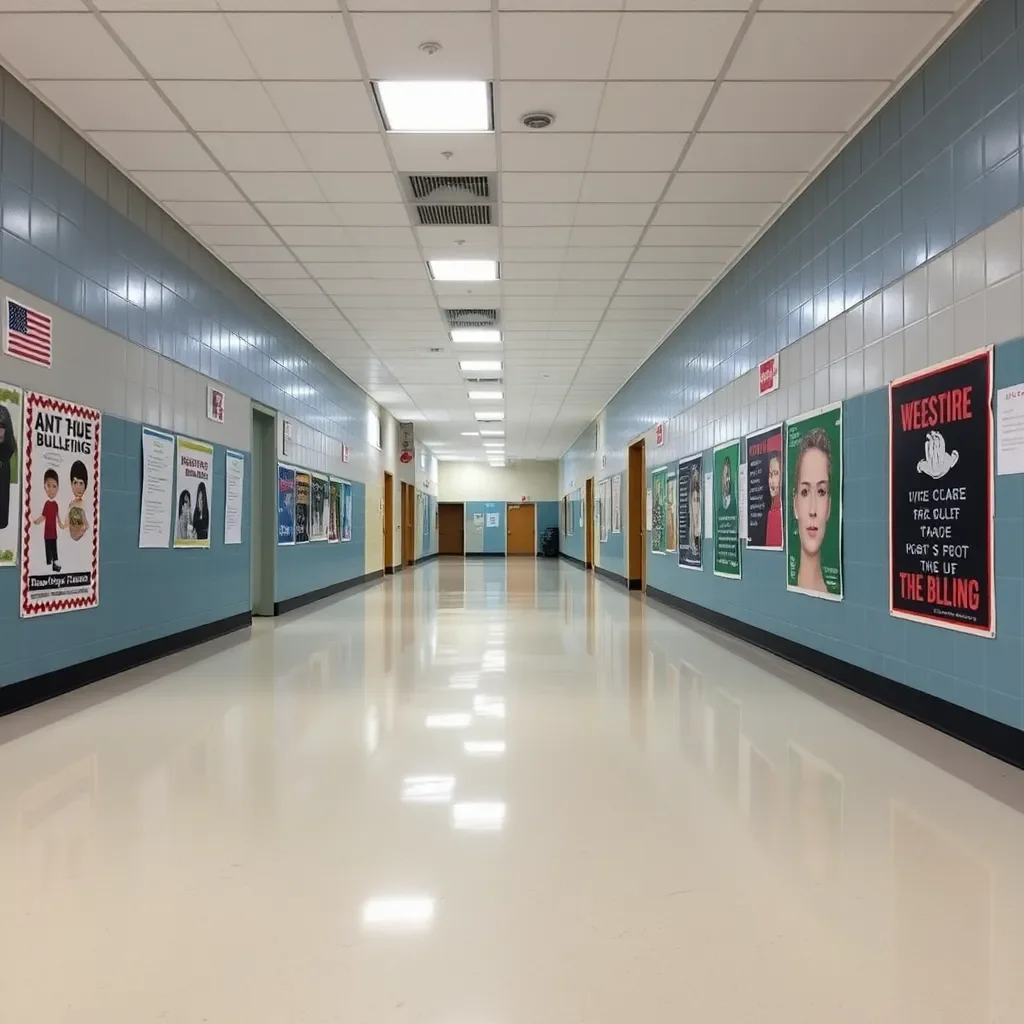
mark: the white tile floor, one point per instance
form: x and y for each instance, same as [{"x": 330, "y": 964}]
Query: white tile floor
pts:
[{"x": 499, "y": 794}]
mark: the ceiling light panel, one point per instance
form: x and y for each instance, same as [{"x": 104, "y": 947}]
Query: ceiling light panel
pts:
[
  {"x": 475, "y": 336},
  {"x": 463, "y": 270},
  {"x": 435, "y": 106},
  {"x": 485, "y": 396}
]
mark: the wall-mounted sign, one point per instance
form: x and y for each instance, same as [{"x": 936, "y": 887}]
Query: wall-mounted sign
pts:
[
  {"x": 406, "y": 443},
  {"x": 286, "y": 437},
  {"x": 768, "y": 375},
  {"x": 28, "y": 334},
  {"x": 659, "y": 434},
  {"x": 214, "y": 405},
  {"x": 344, "y": 453}
]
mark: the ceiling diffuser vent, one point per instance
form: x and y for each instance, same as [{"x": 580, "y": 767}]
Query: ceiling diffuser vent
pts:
[
  {"x": 472, "y": 317},
  {"x": 438, "y": 213},
  {"x": 452, "y": 199}
]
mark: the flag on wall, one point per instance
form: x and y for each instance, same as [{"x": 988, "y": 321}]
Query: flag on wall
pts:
[{"x": 28, "y": 335}]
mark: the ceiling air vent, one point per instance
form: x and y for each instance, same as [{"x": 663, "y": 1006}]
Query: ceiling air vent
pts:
[
  {"x": 452, "y": 199},
  {"x": 472, "y": 317}
]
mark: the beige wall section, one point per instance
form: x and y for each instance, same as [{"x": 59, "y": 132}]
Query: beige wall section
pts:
[
  {"x": 374, "y": 546},
  {"x": 474, "y": 481},
  {"x": 96, "y": 367}
]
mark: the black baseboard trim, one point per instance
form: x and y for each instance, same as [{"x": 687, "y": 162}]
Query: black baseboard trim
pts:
[
  {"x": 612, "y": 577},
  {"x": 28, "y": 692},
  {"x": 291, "y": 603},
  {"x": 485, "y": 554},
  {"x": 426, "y": 558},
  {"x": 993, "y": 738},
  {"x": 636, "y": 584},
  {"x": 389, "y": 570},
  {"x": 578, "y": 562}
]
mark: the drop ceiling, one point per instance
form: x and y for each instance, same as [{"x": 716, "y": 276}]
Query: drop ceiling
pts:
[{"x": 680, "y": 129}]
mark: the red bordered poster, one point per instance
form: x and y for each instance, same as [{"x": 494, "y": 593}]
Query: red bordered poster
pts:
[
  {"x": 60, "y": 569},
  {"x": 941, "y": 496}
]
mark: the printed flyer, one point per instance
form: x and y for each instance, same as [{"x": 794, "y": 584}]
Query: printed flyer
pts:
[
  {"x": 157, "y": 509},
  {"x": 234, "y": 496},
  {"x": 689, "y": 475},
  {"x": 814, "y": 492},
  {"x": 12, "y": 420},
  {"x": 941, "y": 501},
  {"x": 319, "y": 513},
  {"x": 193, "y": 484},
  {"x": 285, "y": 505},
  {"x": 334, "y": 520},
  {"x": 302, "y": 486},
  {"x": 617, "y": 503},
  {"x": 765, "y": 516},
  {"x": 659, "y": 495},
  {"x": 60, "y": 545},
  {"x": 346, "y": 511},
  {"x": 726, "y": 529},
  {"x": 671, "y": 519}
]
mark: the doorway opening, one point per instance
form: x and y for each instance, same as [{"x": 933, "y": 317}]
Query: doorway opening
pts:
[
  {"x": 451, "y": 528},
  {"x": 588, "y": 516},
  {"x": 389, "y": 524},
  {"x": 408, "y": 524},
  {"x": 521, "y": 529},
  {"x": 263, "y": 530},
  {"x": 636, "y": 520}
]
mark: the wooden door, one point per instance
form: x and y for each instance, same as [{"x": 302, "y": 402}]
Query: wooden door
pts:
[
  {"x": 588, "y": 518},
  {"x": 521, "y": 529},
  {"x": 636, "y": 523},
  {"x": 451, "y": 527},
  {"x": 408, "y": 524},
  {"x": 389, "y": 524}
]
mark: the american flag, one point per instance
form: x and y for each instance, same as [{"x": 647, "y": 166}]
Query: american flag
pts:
[{"x": 28, "y": 335}]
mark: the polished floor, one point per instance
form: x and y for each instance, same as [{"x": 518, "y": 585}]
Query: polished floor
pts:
[{"x": 491, "y": 793}]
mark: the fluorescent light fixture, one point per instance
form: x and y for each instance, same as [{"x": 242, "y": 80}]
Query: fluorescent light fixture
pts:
[
  {"x": 491, "y": 433},
  {"x": 463, "y": 270},
  {"x": 480, "y": 365},
  {"x": 435, "y": 106},
  {"x": 482, "y": 816},
  {"x": 457, "y": 720},
  {"x": 488, "y": 417},
  {"x": 484, "y": 748},
  {"x": 412, "y": 912},
  {"x": 475, "y": 336},
  {"x": 428, "y": 789},
  {"x": 494, "y": 444},
  {"x": 471, "y": 433},
  {"x": 485, "y": 396}
]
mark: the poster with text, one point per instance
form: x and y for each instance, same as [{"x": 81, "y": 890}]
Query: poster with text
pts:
[
  {"x": 726, "y": 529},
  {"x": 690, "y": 473},
  {"x": 234, "y": 496},
  {"x": 617, "y": 503},
  {"x": 671, "y": 519},
  {"x": 285, "y": 505},
  {"x": 193, "y": 487},
  {"x": 941, "y": 496},
  {"x": 814, "y": 493},
  {"x": 302, "y": 483},
  {"x": 346, "y": 511},
  {"x": 319, "y": 506},
  {"x": 659, "y": 496},
  {"x": 12, "y": 421},
  {"x": 60, "y": 540},
  {"x": 157, "y": 508},
  {"x": 604, "y": 509},
  {"x": 765, "y": 516},
  {"x": 334, "y": 520}
]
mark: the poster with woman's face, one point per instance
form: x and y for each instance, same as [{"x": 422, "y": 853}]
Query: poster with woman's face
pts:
[
  {"x": 12, "y": 415},
  {"x": 671, "y": 519},
  {"x": 319, "y": 511},
  {"x": 690, "y": 475},
  {"x": 726, "y": 527},
  {"x": 285, "y": 505},
  {"x": 193, "y": 490},
  {"x": 301, "y": 507},
  {"x": 765, "y": 506},
  {"x": 814, "y": 493},
  {"x": 334, "y": 518}
]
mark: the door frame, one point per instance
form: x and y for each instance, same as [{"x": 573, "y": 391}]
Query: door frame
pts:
[
  {"x": 408, "y": 524},
  {"x": 461, "y": 506},
  {"x": 588, "y": 518},
  {"x": 520, "y": 504},
  {"x": 263, "y": 528},
  {"x": 636, "y": 519},
  {"x": 389, "y": 524}
]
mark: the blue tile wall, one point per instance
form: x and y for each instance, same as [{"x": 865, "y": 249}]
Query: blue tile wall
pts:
[
  {"x": 575, "y": 544},
  {"x": 547, "y": 515},
  {"x": 303, "y": 568},
  {"x": 939, "y": 162},
  {"x": 144, "y": 593},
  {"x": 428, "y": 535},
  {"x": 984, "y": 675},
  {"x": 612, "y": 557},
  {"x": 494, "y": 536}
]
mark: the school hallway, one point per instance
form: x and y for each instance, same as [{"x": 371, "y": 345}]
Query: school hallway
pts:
[{"x": 499, "y": 792}]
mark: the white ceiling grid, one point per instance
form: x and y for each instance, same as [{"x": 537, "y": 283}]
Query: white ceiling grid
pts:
[{"x": 681, "y": 127}]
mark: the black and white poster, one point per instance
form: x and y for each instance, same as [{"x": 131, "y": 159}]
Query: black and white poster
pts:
[
  {"x": 941, "y": 496},
  {"x": 690, "y": 480}
]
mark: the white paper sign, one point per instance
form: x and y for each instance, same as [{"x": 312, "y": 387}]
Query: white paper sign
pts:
[
  {"x": 234, "y": 489},
  {"x": 157, "y": 488},
  {"x": 743, "y": 501},
  {"x": 650, "y": 510},
  {"x": 1010, "y": 430},
  {"x": 709, "y": 504},
  {"x": 492, "y": 519}
]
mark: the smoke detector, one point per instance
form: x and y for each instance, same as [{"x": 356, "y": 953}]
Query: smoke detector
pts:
[{"x": 538, "y": 119}]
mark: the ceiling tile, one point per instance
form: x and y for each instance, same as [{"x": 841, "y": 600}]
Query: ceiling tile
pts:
[
  {"x": 292, "y": 214},
  {"x": 296, "y": 45},
  {"x": 371, "y": 214},
  {"x": 685, "y": 253},
  {"x": 574, "y": 104},
  {"x": 390, "y": 45},
  {"x": 153, "y": 151},
  {"x": 369, "y": 187},
  {"x": 605, "y": 236},
  {"x": 759, "y": 151},
  {"x": 672, "y": 271},
  {"x": 556, "y": 45},
  {"x": 213, "y": 213},
  {"x": 625, "y": 187},
  {"x": 324, "y": 106},
  {"x": 538, "y": 236},
  {"x": 754, "y": 214},
  {"x": 658, "y": 45},
  {"x": 328, "y": 256},
  {"x": 214, "y": 106},
  {"x": 211, "y": 186},
  {"x": 342, "y": 151},
  {"x": 537, "y": 214},
  {"x": 451, "y": 154},
  {"x": 254, "y": 151},
  {"x": 724, "y": 186},
  {"x": 282, "y": 271},
  {"x": 560, "y": 151},
  {"x": 111, "y": 106},
  {"x": 635, "y": 151},
  {"x": 719, "y": 235},
  {"x": 285, "y": 286},
  {"x": 652, "y": 106},
  {"x": 314, "y": 234},
  {"x": 382, "y": 236},
  {"x": 790, "y": 106},
  {"x": 183, "y": 45},
  {"x": 278, "y": 186},
  {"x": 231, "y": 254},
  {"x": 540, "y": 188},
  {"x": 64, "y": 46}
]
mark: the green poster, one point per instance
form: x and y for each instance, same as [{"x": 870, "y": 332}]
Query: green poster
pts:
[
  {"x": 814, "y": 490},
  {"x": 726, "y": 528},
  {"x": 659, "y": 487}
]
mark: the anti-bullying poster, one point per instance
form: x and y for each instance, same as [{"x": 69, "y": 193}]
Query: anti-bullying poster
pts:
[
  {"x": 941, "y": 496},
  {"x": 319, "y": 510},
  {"x": 193, "y": 489},
  {"x": 285, "y": 505},
  {"x": 690, "y": 536},
  {"x": 726, "y": 530},
  {"x": 302, "y": 483},
  {"x": 61, "y": 507},
  {"x": 334, "y": 518},
  {"x": 12, "y": 420},
  {"x": 765, "y": 507}
]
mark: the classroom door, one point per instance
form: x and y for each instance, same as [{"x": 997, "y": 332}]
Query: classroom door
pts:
[
  {"x": 637, "y": 518},
  {"x": 521, "y": 523},
  {"x": 588, "y": 516},
  {"x": 263, "y": 528},
  {"x": 389, "y": 524},
  {"x": 408, "y": 524},
  {"x": 451, "y": 526}
]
